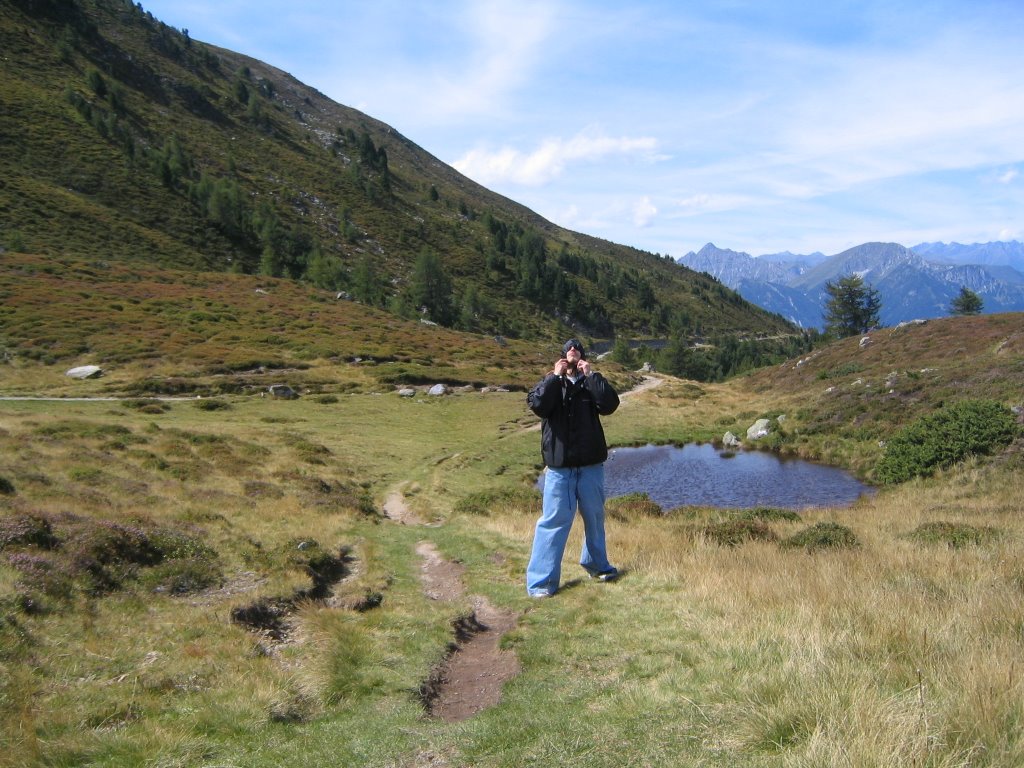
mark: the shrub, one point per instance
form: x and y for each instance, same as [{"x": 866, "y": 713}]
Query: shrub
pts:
[
  {"x": 632, "y": 505},
  {"x": 106, "y": 554},
  {"x": 941, "y": 439},
  {"x": 40, "y": 575},
  {"x": 180, "y": 576},
  {"x": 824, "y": 536},
  {"x": 143, "y": 405},
  {"x": 953, "y": 535},
  {"x": 210, "y": 404},
  {"x": 505, "y": 499},
  {"x": 26, "y": 530},
  {"x": 6, "y": 487},
  {"x": 770, "y": 514},
  {"x": 732, "y": 533}
]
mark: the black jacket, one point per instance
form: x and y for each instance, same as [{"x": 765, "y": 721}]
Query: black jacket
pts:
[{"x": 571, "y": 433}]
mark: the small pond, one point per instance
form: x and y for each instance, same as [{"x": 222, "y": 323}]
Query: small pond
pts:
[{"x": 702, "y": 475}]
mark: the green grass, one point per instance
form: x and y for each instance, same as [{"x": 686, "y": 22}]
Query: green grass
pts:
[{"x": 750, "y": 653}]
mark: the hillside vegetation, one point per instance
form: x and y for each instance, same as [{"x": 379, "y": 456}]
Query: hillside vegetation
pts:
[
  {"x": 127, "y": 140},
  {"x": 158, "y": 331},
  {"x": 277, "y": 616}
]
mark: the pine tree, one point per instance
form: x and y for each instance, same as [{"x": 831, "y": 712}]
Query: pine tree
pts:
[
  {"x": 432, "y": 288},
  {"x": 852, "y": 307},
  {"x": 967, "y": 302}
]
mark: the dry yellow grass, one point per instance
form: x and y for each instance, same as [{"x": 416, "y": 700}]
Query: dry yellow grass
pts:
[{"x": 893, "y": 653}]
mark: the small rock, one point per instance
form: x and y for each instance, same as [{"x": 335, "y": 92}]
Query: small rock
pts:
[
  {"x": 437, "y": 390},
  {"x": 406, "y": 392},
  {"x": 731, "y": 441}
]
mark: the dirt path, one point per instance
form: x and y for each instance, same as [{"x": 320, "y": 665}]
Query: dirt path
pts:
[
  {"x": 471, "y": 677},
  {"x": 442, "y": 579},
  {"x": 649, "y": 382},
  {"x": 396, "y": 509}
]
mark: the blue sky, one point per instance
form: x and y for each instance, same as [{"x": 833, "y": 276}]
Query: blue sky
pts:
[{"x": 759, "y": 126}]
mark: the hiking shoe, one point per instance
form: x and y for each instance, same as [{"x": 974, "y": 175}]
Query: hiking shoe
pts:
[
  {"x": 611, "y": 575},
  {"x": 541, "y": 593}
]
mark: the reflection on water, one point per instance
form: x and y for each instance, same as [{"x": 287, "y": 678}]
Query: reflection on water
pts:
[{"x": 704, "y": 476}]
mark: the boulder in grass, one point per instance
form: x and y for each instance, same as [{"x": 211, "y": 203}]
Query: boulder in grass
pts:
[
  {"x": 407, "y": 392},
  {"x": 437, "y": 390},
  {"x": 282, "y": 392},
  {"x": 758, "y": 429},
  {"x": 84, "y": 372}
]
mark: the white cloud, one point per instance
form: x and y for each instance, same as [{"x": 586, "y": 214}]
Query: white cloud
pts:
[
  {"x": 549, "y": 160},
  {"x": 1009, "y": 176},
  {"x": 504, "y": 42},
  {"x": 644, "y": 212},
  {"x": 705, "y": 202}
]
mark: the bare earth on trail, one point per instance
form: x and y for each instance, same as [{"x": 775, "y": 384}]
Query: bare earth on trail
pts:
[
  {"x": 442, "y": 579},
  {"x": 471, "y": 677},
  {"x": 396, "y": 508},
  {"x": 649, "y": 382}
]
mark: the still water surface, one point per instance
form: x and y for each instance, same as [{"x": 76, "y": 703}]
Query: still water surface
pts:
[{"x": 702, "y": 475}]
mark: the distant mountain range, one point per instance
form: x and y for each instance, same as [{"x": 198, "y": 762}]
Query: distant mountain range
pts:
[{"x": 913, "y": 283}]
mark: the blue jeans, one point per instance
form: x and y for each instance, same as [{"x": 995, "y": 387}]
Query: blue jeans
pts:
[{"x": 564, "y": 488}]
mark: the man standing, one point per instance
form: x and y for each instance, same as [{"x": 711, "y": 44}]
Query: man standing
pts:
[{"x": 570, "y": 400}]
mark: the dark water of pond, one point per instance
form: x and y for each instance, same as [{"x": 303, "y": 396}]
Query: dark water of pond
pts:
[{"x": 701, "y": 475}]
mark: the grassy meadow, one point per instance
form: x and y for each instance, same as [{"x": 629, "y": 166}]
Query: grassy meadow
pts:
[{"x": 725, "y": 643}]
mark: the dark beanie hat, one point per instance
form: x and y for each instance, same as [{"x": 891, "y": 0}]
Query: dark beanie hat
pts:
[{"x": 574, "y": 343}]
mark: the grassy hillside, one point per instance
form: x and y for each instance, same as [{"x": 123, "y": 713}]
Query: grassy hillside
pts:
[
  {"x": 159, "y": 331},
  {"x": 127, "y": 140}
]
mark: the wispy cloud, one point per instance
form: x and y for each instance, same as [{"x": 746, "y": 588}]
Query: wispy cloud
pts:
[
  {"x": 549, "y": 160},
  {"x": 762, "y": 126},
  {"x": 644, "y": 212}
]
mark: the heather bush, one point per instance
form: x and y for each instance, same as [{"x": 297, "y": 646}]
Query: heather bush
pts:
[
  {"x": 768, "y": 514},
  {"x": 179, "y": 576},
  {"x": 42, "y": 576},
  {"x": 26, "y": 530},
  {"x": 949, "y": 435},
  {"x": 499, "y": 500},
  {"x": 732, "y": 533},
  {"x": 211, "y": 404},
  {"x": 953, "y": 535},
  {"x": 823, "y": 536},
  {"x": 632, "y": 505}
]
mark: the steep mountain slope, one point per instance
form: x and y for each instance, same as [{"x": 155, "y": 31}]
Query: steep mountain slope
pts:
[{"x": 127, "y": 140}]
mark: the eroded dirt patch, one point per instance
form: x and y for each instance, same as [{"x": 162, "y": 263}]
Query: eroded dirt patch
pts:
[
  {"x": 475, "y": 668},
  {"x": 442, "y": 579},
  {"x": 396, "y": 509},
  {"x": 271, "y": 616},
  {"x": 471, "y": 677}
]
